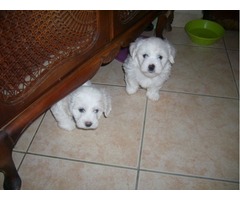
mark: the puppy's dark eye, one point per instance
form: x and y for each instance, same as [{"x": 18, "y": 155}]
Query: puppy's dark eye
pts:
[
  {"x": 160, "y": 57},
  {"x": 96, "y": 111},
  {"x": 81, "y": 110},
  {"x": 145, "y": 55}
]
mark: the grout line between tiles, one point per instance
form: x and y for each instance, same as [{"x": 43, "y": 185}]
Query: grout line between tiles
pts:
[
  {"x": 201, "y": 95},
  {"x": 231, "y": 67},
  {"x": 108, "y": 84},
  {"x": 176, "y": 92},
  {"x": 36, "y": 131},
  {"x": 190, "y": 176},
  {"x": 141, "y": 145},
  {"x": 131, "y": 168},
  {"x": 80, "y": 161},
  {"x": 25, "y": 152}
]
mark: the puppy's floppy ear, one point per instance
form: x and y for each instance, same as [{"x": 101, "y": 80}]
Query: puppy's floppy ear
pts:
[
  {"x": 107, "y": 103},
  {"x": 134, "y": 47},
  {"x": 171, "y": 51}
]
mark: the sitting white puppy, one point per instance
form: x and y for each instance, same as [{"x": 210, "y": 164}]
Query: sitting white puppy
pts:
[
  {"x": 148, "y": 65},
  {"x": 82, "y": 108}
]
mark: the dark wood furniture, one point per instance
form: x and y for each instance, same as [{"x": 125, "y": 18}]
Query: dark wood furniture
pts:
[
  {"x": 47, "y": 54},
  {"x": 229, "y": 19}
]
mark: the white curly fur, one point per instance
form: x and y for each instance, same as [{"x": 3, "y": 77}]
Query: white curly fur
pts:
[
  {"x": 148, "y": 65},
  {"x": 82, "y": 108}
]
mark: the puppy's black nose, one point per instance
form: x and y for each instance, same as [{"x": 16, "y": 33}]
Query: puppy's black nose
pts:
[
  {"x": 88, "y": 124},
  {"x": 151, "y": 68}
]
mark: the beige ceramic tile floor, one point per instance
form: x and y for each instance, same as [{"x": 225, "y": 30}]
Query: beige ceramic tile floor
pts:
[{"x": 189, "y": 139}]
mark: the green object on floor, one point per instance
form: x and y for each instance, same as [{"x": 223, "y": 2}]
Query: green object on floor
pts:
[{"x": 204, "y": 32}]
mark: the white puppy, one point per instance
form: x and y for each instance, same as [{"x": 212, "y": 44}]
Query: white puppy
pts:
[
  {"x": 82, "y": 108},
  {"x": 148, "y": 65}
]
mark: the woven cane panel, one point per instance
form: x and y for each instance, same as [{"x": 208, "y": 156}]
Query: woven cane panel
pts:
[
  {"x": 126, "y": 16},
  {"x": 33, "y": 42}
]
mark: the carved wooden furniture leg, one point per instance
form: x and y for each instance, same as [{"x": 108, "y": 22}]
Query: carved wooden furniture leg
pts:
[
  {"x": 169, "y": 21},
  {"x": 11, "y": 178},
  {"x": 164, "y": 22}
]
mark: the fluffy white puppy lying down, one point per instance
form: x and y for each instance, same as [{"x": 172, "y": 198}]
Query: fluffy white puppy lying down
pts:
[
  {"x": 82, "y": 108},
  {"x": 148, "y": 65}
]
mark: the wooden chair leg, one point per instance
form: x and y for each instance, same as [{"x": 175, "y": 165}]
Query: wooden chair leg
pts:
[
  {"x": 164, "y": 22},
  {"x": 11, "y": 178}
]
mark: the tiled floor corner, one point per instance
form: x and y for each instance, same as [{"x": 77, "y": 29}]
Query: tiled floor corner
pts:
[{"x": 189, "y": 139}]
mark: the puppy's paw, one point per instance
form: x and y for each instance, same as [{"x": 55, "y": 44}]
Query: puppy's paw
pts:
[
  {"x": 154, "y": 96},
  {"x": 131, "y": 90},
  {"x": 67, "y": 126},
  {"x": 146, "y": 83}
]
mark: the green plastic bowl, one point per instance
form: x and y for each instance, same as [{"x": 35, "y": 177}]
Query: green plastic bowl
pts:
[{"x": 204, "y": 32}]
